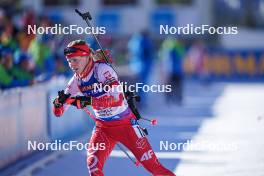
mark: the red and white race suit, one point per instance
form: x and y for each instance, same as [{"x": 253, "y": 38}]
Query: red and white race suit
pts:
[{"x": 113, "y": 121}]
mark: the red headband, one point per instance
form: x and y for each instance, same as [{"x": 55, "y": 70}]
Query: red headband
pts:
[{"x": 78, "y": 50}]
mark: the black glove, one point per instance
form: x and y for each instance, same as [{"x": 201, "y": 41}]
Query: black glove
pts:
[
  {"x": 61, "y": 99},
  {"x": 81, "y": 101}
]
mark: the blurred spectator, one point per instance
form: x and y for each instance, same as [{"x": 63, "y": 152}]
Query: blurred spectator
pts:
[
  {"x": 171, "y": 52},
  {"x": 42, "y": 54},
  {"x": 2, "y": 19},
  {"x": 196, "y": 55},
  {"x": 141, "y": 57},
  {"x": 28, "y": 57},
  {"x": 10, "y": 75},
  {"x": 8, "y": 33},
  {"x": 23, "y": 70},
  {"x": 61, "y": 66}
]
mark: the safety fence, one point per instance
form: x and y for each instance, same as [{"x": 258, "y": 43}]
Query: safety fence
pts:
[{"x": 26, "y": 115}]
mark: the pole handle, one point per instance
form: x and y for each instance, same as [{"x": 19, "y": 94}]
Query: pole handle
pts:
[{"x": 84, "y": 15}]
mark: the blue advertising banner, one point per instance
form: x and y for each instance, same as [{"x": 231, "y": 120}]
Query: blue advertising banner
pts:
[{"x": 229, "y": 64}]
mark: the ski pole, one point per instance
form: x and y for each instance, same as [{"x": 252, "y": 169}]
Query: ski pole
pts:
[
  {"x": 137, "y": 163},
  {"x": 86, "y": 17}
]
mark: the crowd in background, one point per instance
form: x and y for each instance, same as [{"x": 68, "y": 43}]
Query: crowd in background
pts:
[{"x": 26, "y": 59}]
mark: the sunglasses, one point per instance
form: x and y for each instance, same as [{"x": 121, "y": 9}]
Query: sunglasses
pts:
[{"x": 70, "y": 50}]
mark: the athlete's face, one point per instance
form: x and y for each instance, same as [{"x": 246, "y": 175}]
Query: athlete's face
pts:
[{"x": 78, "y": 64}]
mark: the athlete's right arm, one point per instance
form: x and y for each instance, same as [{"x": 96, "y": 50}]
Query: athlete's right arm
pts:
[{"x": 59, "y": 103}]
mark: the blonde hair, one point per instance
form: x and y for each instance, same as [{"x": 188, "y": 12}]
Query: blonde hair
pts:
[{"x": 77, "y": 42}]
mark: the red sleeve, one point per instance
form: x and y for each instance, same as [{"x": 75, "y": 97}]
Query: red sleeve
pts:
[{"x": 107, "y": 101}]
